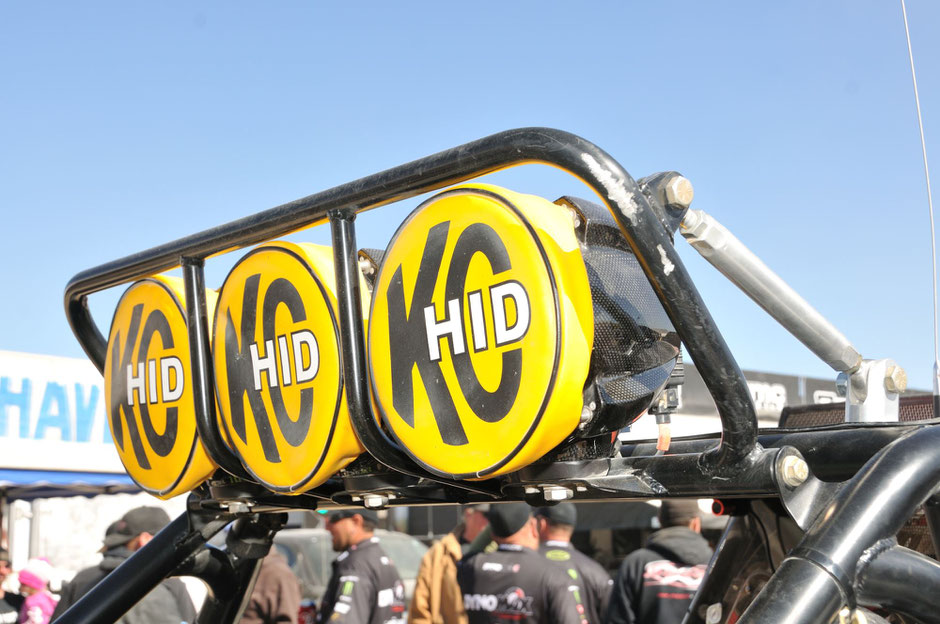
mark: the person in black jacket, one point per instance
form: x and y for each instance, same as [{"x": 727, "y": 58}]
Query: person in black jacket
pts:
[
  {"x": 655, "y": 584},
  {"x": 514, "y": 584},
  {"x": 365, "y": 587},
  {"x": 556, "y": 524},
  {"x": 168, "y": 602}
]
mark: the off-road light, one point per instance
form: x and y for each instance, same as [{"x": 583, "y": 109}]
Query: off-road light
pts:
[
  {"x": 278, "y": 373},
  {"x": 148, "y": 382},
  {"x": 504, "y": 324}
]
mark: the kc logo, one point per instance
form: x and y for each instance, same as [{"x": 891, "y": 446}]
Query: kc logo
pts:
[
  {"x": 147, "y": 378},
  {"x": 129, "y": 390},
  {"x": 420, "y": 328},
  {"x": 465, "y": 315},
  {"x": 277, "y": 370},
  {"x": 245, "y": 362}
]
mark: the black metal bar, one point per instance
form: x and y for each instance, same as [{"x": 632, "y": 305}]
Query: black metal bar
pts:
[
  {"x": 820, "y": 572},
  {"x": 737, "y": 543},
  {"x": 353, "y": 353},
  {"x": 656, "y": 476},
  {"x": 833, "y": 453},
  {"x": 642, "y": 230},
  {"x": 932, "y": 515},
  {"x": 226, "y": 608},
  {"x": 898, "y": 579},
  {"x": 197, "y": 324},
  {"x": 141, "y": 572}
]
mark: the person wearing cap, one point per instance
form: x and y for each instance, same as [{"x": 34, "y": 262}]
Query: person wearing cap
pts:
[
  {"x": 514, "y": 583},
  {"x": 10, "y": 603},
  {"x": 556, "y": 525},
  {"x": 365, "y": 587},
  {"x": 168, "y": 602},
  {"x": 655, "y": 584},
  {"x": 434, "y": 599}
]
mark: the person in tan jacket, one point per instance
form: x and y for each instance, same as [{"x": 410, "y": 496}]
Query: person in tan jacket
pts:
[{"x": 437, "y": 598}]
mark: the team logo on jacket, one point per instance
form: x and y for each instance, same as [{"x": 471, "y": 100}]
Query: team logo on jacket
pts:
[
  {"x": 511, "y": 604},
  {"x": 464, "y": 333},
  {"x": 277, "y": 367},
  {"x": 148, "y": 383}
]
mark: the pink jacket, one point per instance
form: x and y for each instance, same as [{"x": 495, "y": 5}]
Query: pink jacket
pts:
[{"x": 37, "y": 609}]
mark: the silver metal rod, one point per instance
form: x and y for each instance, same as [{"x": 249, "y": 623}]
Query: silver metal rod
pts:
[
  {"x": 740, "y": 265},
  {"x": 933, "y": 229}
]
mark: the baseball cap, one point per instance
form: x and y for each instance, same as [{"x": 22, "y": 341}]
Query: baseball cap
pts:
[
  {"x": 367, "y": 514},
  {"x": 133, "y": 523},
  {"x": 677, "y": 512},
  {"x": 562, "y": 513},
  {"x": 507, "y": 518}
]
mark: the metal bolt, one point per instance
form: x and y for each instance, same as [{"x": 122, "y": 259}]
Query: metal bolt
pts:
[
  {"x": 795, "y": 471},
  {"x": 842, "y": 384},
  {"x": 575, "y": 217},
  {"x": 374, "y": 501},
  {"x": 895, "y": 379},
  {"x": 556, "y": 493},
  {"x": 531, "y": 490},
  {"x": 713, "y": 614},
  {"x": 679, "y": 192},
  {"x": 237, "y": 507}
]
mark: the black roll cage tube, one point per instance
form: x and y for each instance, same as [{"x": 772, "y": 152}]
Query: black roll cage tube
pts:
[{"x": 579, "y": 157}]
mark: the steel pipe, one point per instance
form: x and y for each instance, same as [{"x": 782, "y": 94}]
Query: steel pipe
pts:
[
  {"x": 898, "y": 580},
  {"x": 872, "y": 507}
]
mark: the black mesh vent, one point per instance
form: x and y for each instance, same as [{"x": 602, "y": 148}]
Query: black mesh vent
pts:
[
  {"x": 910, "y": 409},
  {"x": 635, "y": 344}
]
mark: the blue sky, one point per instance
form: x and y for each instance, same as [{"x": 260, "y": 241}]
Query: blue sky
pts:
[{"x": 126, "y": 125}]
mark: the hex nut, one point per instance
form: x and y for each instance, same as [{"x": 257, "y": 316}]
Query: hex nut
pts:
[
  {"x": 895, "y": 379},
  {"x": 842, "y": 384},
  {"x": 374, "y": 501},
  {"x": 794, "y": 470},
  {"x": 679, "y": 192},
  {"x": 713, "y": 614},
  {"x": 556, "y": 493}
]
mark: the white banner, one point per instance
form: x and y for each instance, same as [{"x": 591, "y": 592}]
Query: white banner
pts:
[{"x": 52, "y": 415}]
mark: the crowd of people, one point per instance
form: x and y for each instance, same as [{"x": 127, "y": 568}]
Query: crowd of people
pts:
[
  {"x": 503, "y": 562},
  {"x": 510, "y": 562}
]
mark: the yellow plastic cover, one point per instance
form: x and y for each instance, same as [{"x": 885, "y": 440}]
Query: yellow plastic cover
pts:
[
  {"x": 148, "y": 382},
  {"x": 481, "y": 331},
  {"x": 278, "y": 374}
]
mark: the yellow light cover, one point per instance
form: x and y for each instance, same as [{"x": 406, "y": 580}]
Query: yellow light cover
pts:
[
  {"x": 481, "y": 331},
  {"x": 278, "y": 374},
  {"x": 148, "y": 382}
]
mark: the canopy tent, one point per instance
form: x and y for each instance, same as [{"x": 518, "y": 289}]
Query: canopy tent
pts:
[{"x": 28, "y": 485}]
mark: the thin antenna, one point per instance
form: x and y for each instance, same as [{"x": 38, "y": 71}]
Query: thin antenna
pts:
[{"x": 933, "y": 236}]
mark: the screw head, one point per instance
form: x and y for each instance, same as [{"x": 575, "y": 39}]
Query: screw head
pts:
[
  {"x": 895, "y": 379},
  {"x": 794, "y": 470},
  {"x": 679, "y": 192}
]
